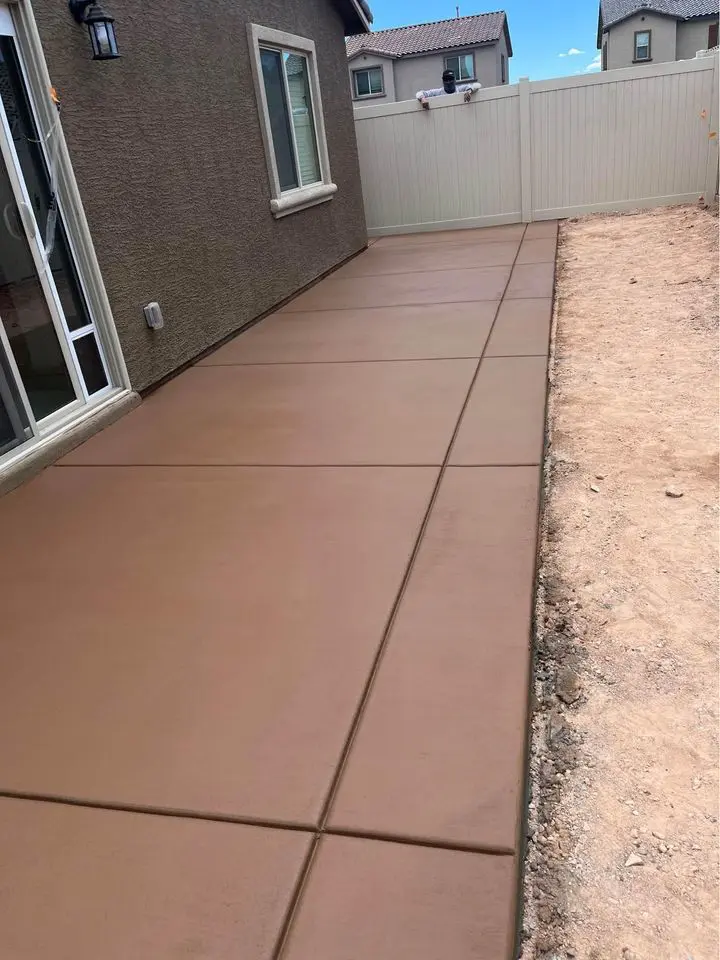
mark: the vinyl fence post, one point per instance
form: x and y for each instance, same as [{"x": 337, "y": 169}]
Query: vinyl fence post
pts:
[
  {"x": 525, "y": 150},
  {"x": 711, "y": 171}
]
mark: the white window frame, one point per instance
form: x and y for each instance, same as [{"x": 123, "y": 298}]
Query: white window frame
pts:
[
  {"x": 456, "y": 56},
  {"x": 284, "y": 202},
  {"x": 366, "y": 96},
  {"x": 645, "y": 46}
]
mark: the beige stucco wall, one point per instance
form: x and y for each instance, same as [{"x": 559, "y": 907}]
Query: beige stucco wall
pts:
[
  {"x": 425, "y": 72},
  {"x": 693, "y": 36},
  {"x": 621, "y": 39},
  {"x": 372, "y": 60}
]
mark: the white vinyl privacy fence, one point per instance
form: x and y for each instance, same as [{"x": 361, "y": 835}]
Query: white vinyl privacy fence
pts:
[{"x": 638, "y": 137}]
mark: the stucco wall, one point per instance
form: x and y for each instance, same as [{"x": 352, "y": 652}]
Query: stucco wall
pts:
[
  {"x": 501, "y": 48},
  {"x": 424, "y": 73},
  {"x": 167, "y": 151},
  {"x": 693, "y": 36},
  {"x": 371, "y": 60},
  {"x": 621, "y": 39}
]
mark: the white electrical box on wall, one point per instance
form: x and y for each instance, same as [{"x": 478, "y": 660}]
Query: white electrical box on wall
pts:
[{"x": 153, "y": 316}]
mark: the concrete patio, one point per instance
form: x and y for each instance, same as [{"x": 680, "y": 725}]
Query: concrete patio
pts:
[{"x": 266, "y": 640}]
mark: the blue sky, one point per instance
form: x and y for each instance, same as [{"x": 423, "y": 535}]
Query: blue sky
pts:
[{"x": 540, "y": 30}]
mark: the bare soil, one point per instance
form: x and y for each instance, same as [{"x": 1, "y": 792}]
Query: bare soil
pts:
[{"x": 622, "y": 859}]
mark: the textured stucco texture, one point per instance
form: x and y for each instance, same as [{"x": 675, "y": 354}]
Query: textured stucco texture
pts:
[{"x": 167, "y": 151}]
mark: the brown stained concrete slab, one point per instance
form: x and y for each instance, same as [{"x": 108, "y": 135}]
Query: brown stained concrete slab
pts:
[
  {"x": 542, "y": 229},
  {"x": 504, "y": 422},
  {"x": 430, "y": 331},
  {"x": 434, "y": 286},
  {"x": 386, "y": 260},
  {"x": 344, "y": 413},
  {"x": 195, "y": 616},
  {"x": 538, "y": 251},
  {"x": 439, "y": 753},
  {"x": 505, "y": 233},
  {"x": 204, "y": 634},
  {"x": 371, "y": 900},
  {"x": 531, "y": 280},
  {"x": 80, "y": 884},
  {"x": 522, "y": 328}
]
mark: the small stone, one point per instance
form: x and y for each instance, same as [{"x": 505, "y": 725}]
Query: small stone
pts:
[
  {"x": 634, "y": 861},
  {"x": 662, "y": 848},
  {"x": 673, "y": 493},
  {"x": 599, "y": 476},
  {"x": 633, "y": 832},
  {"x": 658, "y": 834},
  {"x": 632, "y": 280},
  {"x": 567, "y": 686},
  {"x": 594, "y": 488}
]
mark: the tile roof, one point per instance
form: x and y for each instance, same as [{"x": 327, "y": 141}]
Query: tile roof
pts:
[
  {"x": 426, "y": 37},
  {"x": 611, "y": 11}
]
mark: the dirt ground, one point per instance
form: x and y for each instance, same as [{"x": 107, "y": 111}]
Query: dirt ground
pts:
[{"x": 622, "y": 857}]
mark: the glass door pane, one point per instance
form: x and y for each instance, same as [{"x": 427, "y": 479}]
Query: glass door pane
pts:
[
  {"x": 37, "y": 182},
  {"x": 25, "y": 314},
  {"x": 14, "y": 424}
]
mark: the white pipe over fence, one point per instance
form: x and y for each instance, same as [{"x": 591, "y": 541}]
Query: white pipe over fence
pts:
[{"x": 617, "y": 140}]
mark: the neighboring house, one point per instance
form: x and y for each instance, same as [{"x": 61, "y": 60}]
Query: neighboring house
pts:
[
  {"x": 395, "y": 64},
  {"x": 202, "y": 170},
  {"x": 653, "y": 31}
]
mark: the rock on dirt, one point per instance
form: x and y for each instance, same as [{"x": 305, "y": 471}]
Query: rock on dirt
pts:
[{"x": 567, "y": 686}]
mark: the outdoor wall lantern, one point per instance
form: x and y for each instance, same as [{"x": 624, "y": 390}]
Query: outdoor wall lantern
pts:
[{"x": 100, "y": 27}]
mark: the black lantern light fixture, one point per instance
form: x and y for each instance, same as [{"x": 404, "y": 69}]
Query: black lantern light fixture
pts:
[{"x": 100, "y": 27}]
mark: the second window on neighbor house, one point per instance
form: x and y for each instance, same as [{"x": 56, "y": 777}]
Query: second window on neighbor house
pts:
[
  {"x": 642, "y": 45},
  {"x": 463, "y": 66},
  {"x": 368, "y": 83}
]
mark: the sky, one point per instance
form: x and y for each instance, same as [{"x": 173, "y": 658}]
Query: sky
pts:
[{"x": 550, "y": 38}]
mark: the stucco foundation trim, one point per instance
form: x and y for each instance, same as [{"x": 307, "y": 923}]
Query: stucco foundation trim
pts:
[{"x": 32, "y": 461}]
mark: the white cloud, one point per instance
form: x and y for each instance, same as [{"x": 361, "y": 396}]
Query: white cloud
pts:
[
  {"x": 594, "y": 65},
  {"x": 572, "y": 52}
]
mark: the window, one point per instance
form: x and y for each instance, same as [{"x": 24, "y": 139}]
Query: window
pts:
[
  {"x": 642, "y": 45},
  {"x": 463, "y": 66},
  {"x": 503, "y": 69},
  {"x": 712, "y": 36},
  {"x": 604, "y": 55},
  {"x": 368, "y": 83},
  {"x": 291, "y": 118}
]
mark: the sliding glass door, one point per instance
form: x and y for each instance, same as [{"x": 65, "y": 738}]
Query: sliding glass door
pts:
[{"x": 51, "y": 359}]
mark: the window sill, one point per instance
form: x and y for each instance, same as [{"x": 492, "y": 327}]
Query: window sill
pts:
[
  {"x": 644, "y": 60},
  {"x": 369, "y": 96},
  {"x": 301, "y": 199}
]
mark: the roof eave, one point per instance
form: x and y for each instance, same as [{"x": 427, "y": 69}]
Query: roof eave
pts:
[
  {"x": 698, "y": 16},
  {"x": 356, "y": 16},
  {"x": 375, "y": 52},
  {"x": 629, "y": 16},
  {"x": 506, "y": 31}
]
